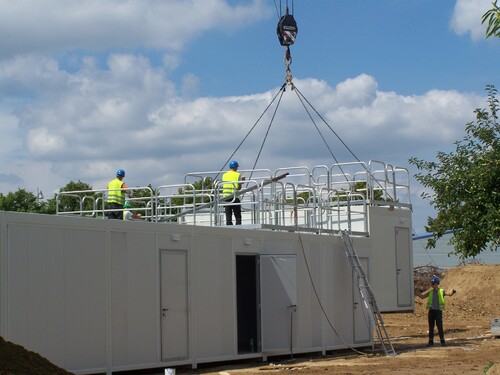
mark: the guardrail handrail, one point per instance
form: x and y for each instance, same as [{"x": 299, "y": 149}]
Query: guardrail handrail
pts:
[
  {"x": 97, "y": 196},
  {"x": 317, "y": 198}
]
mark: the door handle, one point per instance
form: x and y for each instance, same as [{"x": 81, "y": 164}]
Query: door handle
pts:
[{"x": 164, "y": 312}]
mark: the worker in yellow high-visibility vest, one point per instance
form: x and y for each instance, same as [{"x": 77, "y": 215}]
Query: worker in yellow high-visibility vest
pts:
[
  {"x": 116, "y": 197},
  {"x": 230, "y": 187},
  {"x": 435, "y": 305}
]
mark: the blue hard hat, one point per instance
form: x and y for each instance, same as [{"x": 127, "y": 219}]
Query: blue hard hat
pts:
[
  {"x": 435, "y": 280},
  {"x": 233, "y": 164},
  {"x": 120, "y": 172}
]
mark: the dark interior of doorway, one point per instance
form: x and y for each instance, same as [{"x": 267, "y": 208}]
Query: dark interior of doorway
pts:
[{"x": 247, "y": 303}]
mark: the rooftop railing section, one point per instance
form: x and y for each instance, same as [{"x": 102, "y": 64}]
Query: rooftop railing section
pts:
[{"x": 319, "y": 199}]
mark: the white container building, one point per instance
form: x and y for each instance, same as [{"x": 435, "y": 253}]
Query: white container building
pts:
[{"x": 94, "y": 295}]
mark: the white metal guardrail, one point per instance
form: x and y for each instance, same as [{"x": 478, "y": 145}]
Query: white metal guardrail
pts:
[{"x": 324, "y": 198}]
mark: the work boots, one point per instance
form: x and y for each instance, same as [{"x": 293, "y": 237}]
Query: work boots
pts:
[{"x": 431, "y": 343}]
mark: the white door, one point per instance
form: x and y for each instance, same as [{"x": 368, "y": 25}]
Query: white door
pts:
[
  {"x": 174, "y": 305},
  {"x": 278, "y": 302},
  {"x": 403, "y": 275},
  {"x": 362, "y": 322}
]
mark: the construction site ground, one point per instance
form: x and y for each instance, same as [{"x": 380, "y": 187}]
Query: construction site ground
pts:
[{"x": 471, "y": 349}]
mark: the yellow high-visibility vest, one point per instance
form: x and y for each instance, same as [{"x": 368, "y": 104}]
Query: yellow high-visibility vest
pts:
[
  {"x": 441, "y": 302},
  {"x": 230, "y": 188},
  {"x": 116, "y": 196}
]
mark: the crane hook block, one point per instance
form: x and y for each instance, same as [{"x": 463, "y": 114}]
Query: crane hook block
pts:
[{"x": 287, "y": 30}]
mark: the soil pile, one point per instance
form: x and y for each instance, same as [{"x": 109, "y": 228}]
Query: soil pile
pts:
[{"x": 16, "y": 360}]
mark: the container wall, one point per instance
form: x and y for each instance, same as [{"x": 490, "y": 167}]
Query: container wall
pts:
[{"x": 100, "y": 295}]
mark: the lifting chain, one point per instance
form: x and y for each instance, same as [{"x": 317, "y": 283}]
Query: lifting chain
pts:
[{"x": 288, "y": 61}]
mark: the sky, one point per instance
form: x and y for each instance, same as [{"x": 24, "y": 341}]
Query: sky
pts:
[{"x": 161, "y": 88}]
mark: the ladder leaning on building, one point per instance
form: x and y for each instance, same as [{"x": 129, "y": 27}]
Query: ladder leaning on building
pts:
[{"x": 367, "y": 296}]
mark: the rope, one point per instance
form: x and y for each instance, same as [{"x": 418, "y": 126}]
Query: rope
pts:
[
  {"x": 330, "y": 323},
  {"x": 253, "y": 127},
  {"x": 286, "y": 6},
  {"x": 267, "y": 132},
  {"x": 328, "y": 125},
  {"x": 302, "y": 99},
  {"x": 299, "y": 95},
  {"x": 278, "y": 12}
]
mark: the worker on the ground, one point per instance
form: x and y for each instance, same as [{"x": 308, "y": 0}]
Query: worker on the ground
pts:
[
  {"x": 231, "y": 186},
  {"x": 129, "y": 215},
  {"x": 116, "y": 195},
  {"x": 435, "y": 305}
]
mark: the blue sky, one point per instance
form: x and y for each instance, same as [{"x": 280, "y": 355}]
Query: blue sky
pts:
[{"x": 162, "y": 88}]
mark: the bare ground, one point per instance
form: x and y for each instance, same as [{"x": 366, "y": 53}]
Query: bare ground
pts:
[
  {"x": 467, "y": 321},
  {"x": 471, "y": 348}
]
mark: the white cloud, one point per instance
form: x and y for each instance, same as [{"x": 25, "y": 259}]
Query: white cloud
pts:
[
  {"x": 190, "y": 84},
  {"x": 46, "y": 26},
  {"x": 467, "y": 16},
  {"x": 358, "y": 91},
  {"x": 10, "y": 143},
  {"x": 41, "y": 142},
  {"x": 85, "y": 125},
  {"x": 171, "y": 61},
  {"x": 131, "y": 112},
  {"x": 70, "y": 112}
]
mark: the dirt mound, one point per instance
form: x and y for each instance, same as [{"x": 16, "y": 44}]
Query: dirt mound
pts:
[
  {"x": 16, "y": 360},
  {"x": 475, "y": 304},
  {"x": 478, "y": 292},
  {"x": 481, "y": 280}
]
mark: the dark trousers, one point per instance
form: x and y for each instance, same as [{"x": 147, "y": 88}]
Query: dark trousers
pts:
[
  {"x": 115, "y": 214},
  {"x": 435, "y": 317},
  {"x": 233, "y": 208}
]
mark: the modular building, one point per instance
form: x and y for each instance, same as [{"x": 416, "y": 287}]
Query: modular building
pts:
[{"x": 94, "y": 295}]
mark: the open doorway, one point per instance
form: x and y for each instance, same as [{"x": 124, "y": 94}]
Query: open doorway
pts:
[{"x": 247, "y": 296}]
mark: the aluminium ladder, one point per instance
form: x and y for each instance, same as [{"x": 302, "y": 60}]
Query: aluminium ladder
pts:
[{"x": 368, "y": 296}]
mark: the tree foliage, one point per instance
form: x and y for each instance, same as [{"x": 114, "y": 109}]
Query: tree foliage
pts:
[
  {"x": 141, "y": 198},
  {"x": 492, "y": 18},
  {"x": 25, "y": 201},
  {"x": 21, "y": 201},
  {"x": 77, "y": 201},
  {"x": 466, "y": 185},
  {"x": 185, "y": 194},
  {"x": 360, "y": 188}
]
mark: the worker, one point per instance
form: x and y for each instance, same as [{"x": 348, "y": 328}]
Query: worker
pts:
[
  {"x": 116, "y": 195},
  {"x": 231, "y": 186},
  {"x": 435, "y": 304},
  {"x": 129, "y": 215}
]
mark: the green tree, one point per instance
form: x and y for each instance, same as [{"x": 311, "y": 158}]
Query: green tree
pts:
[
  {"x": 360, "y": 188},
  {"x": 142, "y": 193},
  {"x": 72, "y": 202},
  {"x": 466, "y": 185},
  {"x": 21, "y": 201},
  {"x": 185, "y": 195},
  {"x": 207, "y": 184},
  {"x": 141, "y": 198},
  {"x": 492, "y": 17}
]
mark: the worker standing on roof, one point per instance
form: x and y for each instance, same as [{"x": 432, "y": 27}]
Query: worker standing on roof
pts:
[
  {"x": 435, "y": 305},
  {"x": 116, "y": 195},
  {"x": 231, "y": 186}
]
